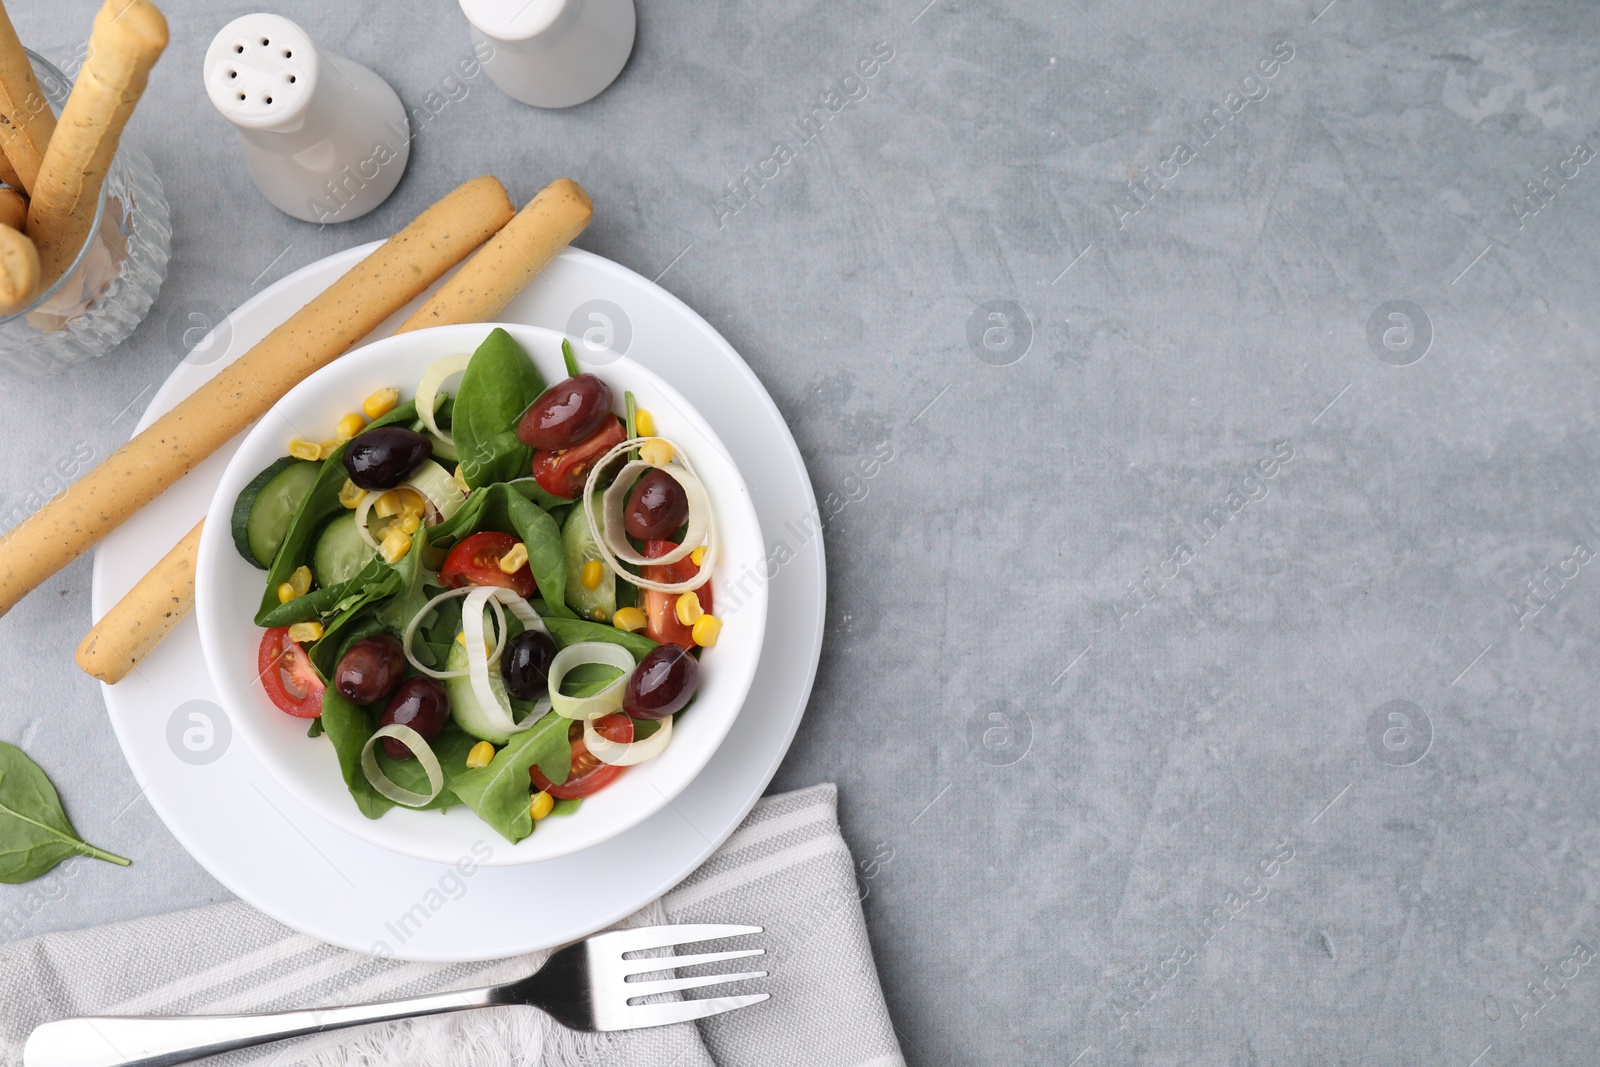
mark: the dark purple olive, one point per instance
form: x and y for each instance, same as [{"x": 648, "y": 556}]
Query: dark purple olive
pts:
[
  {"x": 370, "y": 669},
  {"x": 525, "y": 665},
  {"x": 662, "y": 683},
  {"x": 566, "y": 413},
  {"x": 657, "y": 506},
  {"x": 385, "y": 457},
  {"x": 421, "y": 704}
]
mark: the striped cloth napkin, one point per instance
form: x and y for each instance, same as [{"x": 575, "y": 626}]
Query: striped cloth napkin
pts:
[{"x": 786, "y": 868}]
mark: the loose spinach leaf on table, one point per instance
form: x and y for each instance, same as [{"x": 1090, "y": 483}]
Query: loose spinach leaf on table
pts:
[
  {"x": 320, "y": 504},
  {"x": 35, "y": 833},
  {"x": 499, "y": 792},
  {"x": 499, "y": 507},
  {"x": 498, "y": 385}
]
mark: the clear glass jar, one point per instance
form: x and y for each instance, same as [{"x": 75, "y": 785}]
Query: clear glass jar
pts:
[{"x": 116, "y": 275}]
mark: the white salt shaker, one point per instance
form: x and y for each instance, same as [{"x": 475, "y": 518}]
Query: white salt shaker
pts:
[
  {"x": 552, "y": 53},
  {"x": 326, "y": 139}
]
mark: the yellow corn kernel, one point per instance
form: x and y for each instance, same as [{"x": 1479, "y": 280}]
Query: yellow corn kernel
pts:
[
  {"x": 388, "y": 505},
  {"x": 593, "y": 571},
  {"x": 706, "y": 630},
  {"x": 300, "y": 580},
  {"x": 350, "y": 496},
  {"x": 688, "y": 609},
  {"x": 629, "y": 619},
  {"x": 597, "y": 614},
  {"x": 656, "y": 451},
  {"x": 350, "y": 425},
  {"x": 412, "y": 502},
  {"x": 645, "y": 423},
  {"x": 698, "y": 556},
  {"x": 305, "y": 632},
  {"x": 380, "y": 403},
  {"x": 481, "y": 754},
  {"x": 410, "y": 523},
  {"x": 286, "y": 593},
  {"x": 461, "y": 479},
  {"x": 541, "y": 805},
  {"x": 300, "y": 448},
  {"x": 488, "y": 646},
  {"x": 396, "y": 543},
  {"x": 514, "y": 560},
  {"x": 327, "y": 447}
]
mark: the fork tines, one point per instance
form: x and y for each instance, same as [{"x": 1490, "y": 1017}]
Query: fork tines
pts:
[{"x": 610, "y": 972}]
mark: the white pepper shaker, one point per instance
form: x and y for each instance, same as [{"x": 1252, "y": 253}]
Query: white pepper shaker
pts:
[
  {"x": 552, "y": 53},
  {"x": 326, "y": 139}
]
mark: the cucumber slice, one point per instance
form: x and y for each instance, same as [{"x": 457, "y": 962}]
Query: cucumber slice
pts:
[
  {"x": 443, "y": 450},
  {"x": 340, "y": 553},
  {"x": 266, "y": 506},
  {"x": 464, "y": 707},
  {"x": 597, "y": 604}
]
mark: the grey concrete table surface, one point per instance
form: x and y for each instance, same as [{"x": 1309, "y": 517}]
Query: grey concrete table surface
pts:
[{"x": 1210, "y": 672}]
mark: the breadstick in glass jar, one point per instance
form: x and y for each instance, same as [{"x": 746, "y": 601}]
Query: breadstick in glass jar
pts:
[{"x": 127, "y": 39}]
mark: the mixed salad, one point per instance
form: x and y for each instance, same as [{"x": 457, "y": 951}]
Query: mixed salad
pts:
[{"x": 495, "y": 596}]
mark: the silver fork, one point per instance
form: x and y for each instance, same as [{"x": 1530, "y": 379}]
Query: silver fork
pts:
[{"x": 584, "y": 986}]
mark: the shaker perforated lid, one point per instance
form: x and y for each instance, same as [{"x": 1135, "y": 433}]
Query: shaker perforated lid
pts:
[
  {"x": 513, "y": 20},
  {"x": 260, "y": 71}
]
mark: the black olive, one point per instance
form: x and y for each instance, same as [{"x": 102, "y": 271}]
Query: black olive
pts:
[{"x": 385, "y": 457}]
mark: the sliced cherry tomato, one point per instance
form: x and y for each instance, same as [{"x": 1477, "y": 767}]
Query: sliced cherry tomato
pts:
[
  {"x": 287, "y": 675},
  {"x": 587, "y": 774},
  {"x": 660, "y": 609},
  {"x": 475, "y": 560},
  {"x": 563, "y": 471}
]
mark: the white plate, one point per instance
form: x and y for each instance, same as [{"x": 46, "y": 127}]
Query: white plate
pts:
[
  {"x": 228, "y": 591},
  {"x": 230, "y": 813}
]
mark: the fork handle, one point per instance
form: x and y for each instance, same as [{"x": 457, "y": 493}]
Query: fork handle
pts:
[{"x": 155, "y": 1041}]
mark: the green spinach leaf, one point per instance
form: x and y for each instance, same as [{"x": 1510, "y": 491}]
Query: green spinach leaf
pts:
[
  {"x": 571, "y": 631},
  {"x": 35, "y": 833},
  {"x": 499, "y": 507},
  {"x": 499, "y": 793},
  {"x": 498, "y": 385},
  {"x": 348, "y": 726}
]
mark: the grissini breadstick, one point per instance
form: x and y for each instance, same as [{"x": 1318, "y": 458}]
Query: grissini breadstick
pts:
[
  {"x": 381, "y": 284},
  {"x": 127, "y": 39},
  {"x": 19, "y": 270},
  {"x": 13, "y": 209},
  {"x": 488, "y": 281},
  {"x": 137, "y": 623},
  {"x": 26, "y": 121}
]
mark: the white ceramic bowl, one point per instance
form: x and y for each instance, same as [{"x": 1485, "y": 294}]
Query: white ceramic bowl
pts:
[{"x": 228, "y": 590}]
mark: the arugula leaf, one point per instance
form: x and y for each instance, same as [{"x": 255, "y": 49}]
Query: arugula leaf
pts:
[
  {"x": 35, "y": 833},
  {"x": 499, "y": 793},
  {"x": 321, "y": 503},
  {"x": 499, "y": 507},
  {"x": 570, "y": 358},
  {"x": 499, "y": 384}
]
